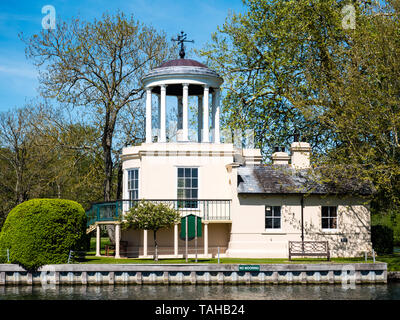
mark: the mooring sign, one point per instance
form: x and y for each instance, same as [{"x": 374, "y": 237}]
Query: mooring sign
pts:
[{"x": 249, "y": 267}]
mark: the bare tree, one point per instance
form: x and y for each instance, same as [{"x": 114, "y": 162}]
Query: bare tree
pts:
[
  {"x": 15, "y": 146},
  {"x": 98, "y": 65}
]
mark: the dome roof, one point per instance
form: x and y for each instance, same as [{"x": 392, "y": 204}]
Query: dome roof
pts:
[
  {"x": 180, "y": 71},
  {"x": 182, "y": 63}
]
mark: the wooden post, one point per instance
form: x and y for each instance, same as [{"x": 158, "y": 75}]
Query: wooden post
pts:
[
  {"x": 195, "y": 236},
  {"x": 176, "y": 239},
  {"x": 302, "y": 223},
  {"x": 145, "y": 243},
  {"x": 186, "y": 239},
  {"x": 98, "y": 240},
  {"x": 206, "y": 239},
  {"x": 117, "y": 241}
]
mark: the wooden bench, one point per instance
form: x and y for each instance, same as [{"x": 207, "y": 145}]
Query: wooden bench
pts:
[
  {"x": 123, "y": 249},
  {"x": 309, "y": 249}
]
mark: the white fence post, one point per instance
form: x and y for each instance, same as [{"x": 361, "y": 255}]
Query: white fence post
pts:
[{"x": 69, "y": 256}]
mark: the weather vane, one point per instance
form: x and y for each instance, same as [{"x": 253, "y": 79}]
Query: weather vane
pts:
[{"x": 181, "y": 38}]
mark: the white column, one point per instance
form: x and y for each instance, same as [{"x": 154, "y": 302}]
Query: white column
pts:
[
  {"x": 117, "y": 240},
  {"x": 213, "y": 104},
  {"x": 176, "y": 239},
  {"x": 199, "y": 118},
  {"x": 185, "y": 121},
  {"x": 159, "y": 116},
  {"x": 206, "y": 137},
  {"x": 205, "y": 238},
  {"x": 162, "y": 115},
  {"x": 98, "y": 240},
  {"x": 180, "y": 113},
  {"x": 148, "y": 116},
  {"x": 217, "y": 107},
  {"x": 145, "y": 242},
  {"x": 179, "y": 127}
]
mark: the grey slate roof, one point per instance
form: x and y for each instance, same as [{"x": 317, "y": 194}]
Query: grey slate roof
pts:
[{"x": 278, "y": 179}]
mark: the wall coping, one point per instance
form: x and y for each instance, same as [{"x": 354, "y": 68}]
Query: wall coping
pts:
[{"x": 203, "y": 267}]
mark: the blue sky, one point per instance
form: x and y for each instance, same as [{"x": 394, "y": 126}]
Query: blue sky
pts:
[{"x": 18, "y": 77}]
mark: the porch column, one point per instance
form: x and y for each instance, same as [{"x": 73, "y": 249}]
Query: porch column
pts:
[
  {"x": 117, "y": 240},
  {"x": 205, "y": 115},
  {"x": 180, "y": 113},
  {"x": 216, "y": 111},
  {"x": 148, "y": 116},
  {"x": 179, "y": 126},
  {"x": 176, "y": 239},
  {"x": 185, "y": 102},
  {"x": 205, "y": 238},
  {"x": 98, "y": 240},
  {"x": 213, "y": 104},
  {"x": 159, "y": 117},
  {"x": 163, "y": 111},
  {"x": 199, "y": 117},
  {"x": 145, "y": 242}
]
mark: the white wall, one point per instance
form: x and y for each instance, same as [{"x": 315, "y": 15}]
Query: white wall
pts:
[
  {"x": 158, "y": 163},
  {"x": 249, "y": 238}
]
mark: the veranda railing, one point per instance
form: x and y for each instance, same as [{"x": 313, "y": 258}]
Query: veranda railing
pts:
[{"x": 207, "y": 209}]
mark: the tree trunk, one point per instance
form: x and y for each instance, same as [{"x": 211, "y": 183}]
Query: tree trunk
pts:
[
  {"x": 119, "y": 180},
  {"x": 155, "y": 245},
  {"x": 107, "y": 182},
  {"x": 106, "y": 142},
  {"x": 108, "y": 173},
  {"x": 108, "y": 166}
]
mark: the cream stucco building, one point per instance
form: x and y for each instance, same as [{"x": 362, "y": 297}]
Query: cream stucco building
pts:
[{"x": 248, "y": 209}]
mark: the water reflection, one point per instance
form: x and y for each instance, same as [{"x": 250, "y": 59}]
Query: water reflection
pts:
[{"x": 210, "y": 292}]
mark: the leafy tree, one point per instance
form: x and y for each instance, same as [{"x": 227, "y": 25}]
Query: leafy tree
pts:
[
  {"x": 292, "y": 65},
  {"x": 74, "y": 167},
  {"x": 146, "y": 215},
  {"x": 44, "y": 155},
  {"x": 16, "y": 144}
]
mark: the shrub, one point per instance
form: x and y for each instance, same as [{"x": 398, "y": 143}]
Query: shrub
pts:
[
  {"x": 382, "y": 239},
  {"x": 43, "y": 231},
  {"x": 390, "y": 219}
]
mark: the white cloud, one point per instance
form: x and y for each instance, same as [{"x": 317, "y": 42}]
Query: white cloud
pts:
[{"x": 26, "y": 72}]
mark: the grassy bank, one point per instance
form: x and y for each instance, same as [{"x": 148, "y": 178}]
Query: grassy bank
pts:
[
  {"x": 392, "y": 260},
  {"x": 91, "y": 259}
]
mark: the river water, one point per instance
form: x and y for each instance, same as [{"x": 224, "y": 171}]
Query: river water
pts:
[{"x": 391, "y": 291}]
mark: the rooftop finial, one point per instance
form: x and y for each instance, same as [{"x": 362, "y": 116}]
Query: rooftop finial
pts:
[{"x": 181, "y": 38}]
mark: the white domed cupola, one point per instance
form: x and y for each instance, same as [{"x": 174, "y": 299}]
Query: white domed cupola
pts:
[{"x": 182, "y": 78}]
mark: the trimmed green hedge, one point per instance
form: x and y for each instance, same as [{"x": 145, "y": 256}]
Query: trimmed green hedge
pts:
[
  {"x": 382, "y": 239},
  {"x": 390, "y": 219},
  {"x": 43, "y": 231}
]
